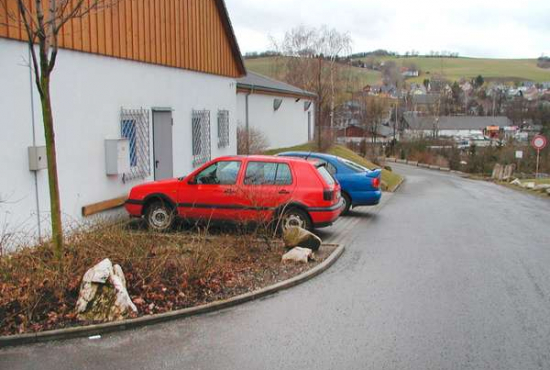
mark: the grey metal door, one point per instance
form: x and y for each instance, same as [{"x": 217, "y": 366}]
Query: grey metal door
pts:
[{"x": 162, "y": 145}]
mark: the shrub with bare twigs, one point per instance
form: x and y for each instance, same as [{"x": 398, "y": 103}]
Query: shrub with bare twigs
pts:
[
  {"x": 253, "y": 142},
  {"x": 164, "y": 271}
]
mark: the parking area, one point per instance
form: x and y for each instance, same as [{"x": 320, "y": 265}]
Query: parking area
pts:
[{"x": 341, "y": 231}]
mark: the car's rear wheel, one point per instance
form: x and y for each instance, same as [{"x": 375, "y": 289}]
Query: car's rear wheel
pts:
[
  {"x": 295, "y": 217},
  {"x": 160, "y": 216},
  {"x": 347, "y": 203}
]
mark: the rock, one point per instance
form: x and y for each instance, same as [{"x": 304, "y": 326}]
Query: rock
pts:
[
  {"x": 498, "y": 171},
  {"x": 528, "y": 185},
  {"x": 99, "y": 273},
  {"x": 516, "y": 182},
  {"x": 548, "y": 191},
  {"x": 118, "y": 272},
  {"x": 298, "y": 254},
  {"x": 103, "y": 295},
  {"x": 296, "y": 236},
  {"x": 542, "y": 187},
  {"x": 508, "y": 171}
]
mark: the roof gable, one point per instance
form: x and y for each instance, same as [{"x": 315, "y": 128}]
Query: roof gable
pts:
[{"x": 187, "y": 34}]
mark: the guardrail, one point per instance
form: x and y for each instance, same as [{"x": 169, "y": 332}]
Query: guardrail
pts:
[{"x": 422, "y": 165}]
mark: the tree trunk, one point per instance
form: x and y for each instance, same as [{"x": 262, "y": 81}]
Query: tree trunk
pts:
[{"x": 53, "y": 182}]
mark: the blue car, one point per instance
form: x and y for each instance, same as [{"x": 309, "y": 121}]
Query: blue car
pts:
[{"x": 360, "y": 186}]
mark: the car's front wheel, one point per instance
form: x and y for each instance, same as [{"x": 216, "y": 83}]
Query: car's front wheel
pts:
[
  {"x": 160, "y": 216},
  {"x": 295, "y": 217}
]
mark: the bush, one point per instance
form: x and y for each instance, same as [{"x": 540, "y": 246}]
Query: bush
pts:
[
  {"x": 163, "y": 271},
  {"x": 257, "y": 141}
]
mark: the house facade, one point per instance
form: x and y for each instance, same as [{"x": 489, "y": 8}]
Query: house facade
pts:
[
  {"x": 457, "y": 127},
  {"x": 282, "y": 112},
  {"x": 134, "y": 99}
]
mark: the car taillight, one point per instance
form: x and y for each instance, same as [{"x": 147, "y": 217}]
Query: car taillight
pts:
[
  {"x": 328, "y": 194},
  {"x": 376, "y": 182}
]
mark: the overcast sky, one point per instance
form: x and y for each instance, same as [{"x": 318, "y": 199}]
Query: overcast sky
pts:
[{"x": 476, "y": 28}]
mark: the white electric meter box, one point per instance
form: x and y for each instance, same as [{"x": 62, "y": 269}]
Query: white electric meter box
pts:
[
  {"x": 117, "y": 156},
  {"x": 38, "y": 159}
]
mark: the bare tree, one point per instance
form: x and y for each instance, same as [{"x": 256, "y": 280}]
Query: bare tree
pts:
[
  {"x": 309, "y": 57},
  {"x": 391, "y": 75},
  {"x": 334, "y": 44},
  {"x": 43, "y": 21},
  {"x": 376, "y": 110}
]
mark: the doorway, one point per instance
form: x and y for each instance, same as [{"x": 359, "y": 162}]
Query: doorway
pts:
[{"x": 162, "y": 144}]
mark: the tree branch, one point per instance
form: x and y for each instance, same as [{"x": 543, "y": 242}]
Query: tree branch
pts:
[
  {"x": 31, "y": 36},
  {"x": 53, "y": 35}
]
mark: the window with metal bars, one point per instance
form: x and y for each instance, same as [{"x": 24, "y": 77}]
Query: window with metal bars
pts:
[
  {"x": 223, "y": 128},
  {"x": 134, "y": 126},
  {"x": 200, "y": 126}
]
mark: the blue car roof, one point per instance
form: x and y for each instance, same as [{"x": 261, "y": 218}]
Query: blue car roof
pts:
[
  {"x": 321, "y": 156},
  {"x": 311, "y": 154}
]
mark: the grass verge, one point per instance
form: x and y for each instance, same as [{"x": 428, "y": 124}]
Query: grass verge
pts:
[
  {"x": 390, "y": 180},
  {"x": 536, "y": 181},
  {"x": 522, "y": 189}
]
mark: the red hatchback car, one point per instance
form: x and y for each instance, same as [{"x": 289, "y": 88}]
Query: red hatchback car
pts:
[{"x": 290, "y": 191}]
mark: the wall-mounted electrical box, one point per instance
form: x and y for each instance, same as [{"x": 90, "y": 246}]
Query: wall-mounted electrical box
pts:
[
  {"x": 117, "y": 156},
  {"x": 38, "y": 159}
]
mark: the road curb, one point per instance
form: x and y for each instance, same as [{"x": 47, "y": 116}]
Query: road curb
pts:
[
  {"x": 398, "y": 185},
  {"x": 84, "y": 331}
]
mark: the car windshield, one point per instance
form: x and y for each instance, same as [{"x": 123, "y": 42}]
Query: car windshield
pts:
[{"x": 353, "y": 166}]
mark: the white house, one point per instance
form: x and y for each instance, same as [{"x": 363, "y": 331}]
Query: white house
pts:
[
  {"x": 282, "y": 112},
  {"x": 132, "y": 102}
]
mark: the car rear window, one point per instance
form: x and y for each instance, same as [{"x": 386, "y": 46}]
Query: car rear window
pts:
[
  {"x": 330, "y": 168},
  {"x": 267, "y": 173},
  {"x": 326, "y": 175},
  {"x": 353, "y": 166}
]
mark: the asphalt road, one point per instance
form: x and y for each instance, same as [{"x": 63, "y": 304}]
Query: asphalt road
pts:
[{"x": 449, "y": 274}]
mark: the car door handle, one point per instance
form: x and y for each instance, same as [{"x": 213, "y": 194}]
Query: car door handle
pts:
[
  {"x": 229, "y": 191},
  {"x": 284, "y": 192}
]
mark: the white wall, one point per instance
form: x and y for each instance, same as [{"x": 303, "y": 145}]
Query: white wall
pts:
[
  {"x": 460, "y": 133},
  {"x": 285, "y": 127},
  {"x": 88, "y": 92}
]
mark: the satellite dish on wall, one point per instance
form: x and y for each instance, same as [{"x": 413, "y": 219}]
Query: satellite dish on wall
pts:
[{"x": 277, "y": 104}]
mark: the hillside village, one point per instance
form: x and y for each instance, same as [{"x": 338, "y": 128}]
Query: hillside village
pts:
[
  {"x": 461, "y": 111},
  {"x": 512, "y": 107}
]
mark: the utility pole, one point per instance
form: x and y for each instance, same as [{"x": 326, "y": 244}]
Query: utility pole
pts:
[
  {"x": 319, "y": 92},
  {"x": 332, "y": 93},
  {"x": 494, "y": 102},
  {"x": 395, "y": 123}
]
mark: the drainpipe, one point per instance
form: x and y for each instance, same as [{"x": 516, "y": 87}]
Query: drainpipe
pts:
[
  {"x": 247, "y": 120},
  {"x": 38, "y": 223}
]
